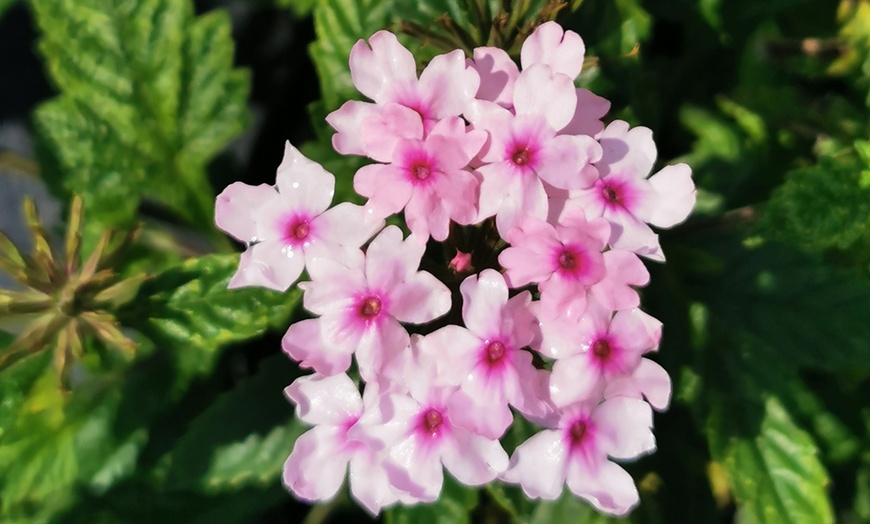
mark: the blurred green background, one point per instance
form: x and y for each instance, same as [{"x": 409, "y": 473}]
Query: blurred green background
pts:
[{"x": 146, "y": 109}]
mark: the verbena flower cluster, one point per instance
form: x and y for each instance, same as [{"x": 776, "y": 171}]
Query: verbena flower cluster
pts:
[{"x": 539, "y": 214}]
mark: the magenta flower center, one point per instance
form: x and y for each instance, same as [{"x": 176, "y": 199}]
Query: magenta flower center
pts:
[
  {"x": 610, "y": 195},
  {"x": 421, "y": 171},
  {"x": 432, "y": 421},
  {"x": 578, "y": 432},
  {"x": 601, "y": 349},
  {"x": 567, "y": 260},
  {"x": 495, "y": 351},
  {"x": 521, "y": 157},
  {"x": 370, "y": 308}
]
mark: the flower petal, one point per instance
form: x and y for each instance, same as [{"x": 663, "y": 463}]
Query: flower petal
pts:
[
  {"x": 233, "y": 212},
  {"x": 314, "y": 471},
  {"x": 676, "y": 195},
  {"x": 303, "y": 183},
  {"x": 539, "y": 465},
  {"x": 325, "y": 400},
  {"x": 473, "y": 459},
  {"x": 302, "y": 342},
  {"x": 382, "y": 67},
  {"x": 447, "y": 85},
  {"x": 610, "y": 488},
  {"x": 587, "y": 117},
  {"x": 566, "y": 161},
  {"x": 575, "y": 379},
  {"x": 386, "y": 186},
  {"x": 271, "y": 265},
  {"x": 369, "y": 483},
  {"x": 649, "y": 381},
  {"x": 498, "y": 72},
  {"x": 631, "y": 152},
  {"x": 419, "y": 299},
  {"x": 550, "y": 44},
  {"x": 483, "y": 297},
  {"x": 624, "y": 427},
  {"x": 541, "y": 92}
]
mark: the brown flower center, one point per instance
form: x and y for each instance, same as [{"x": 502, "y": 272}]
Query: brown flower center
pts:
[
  {"x": 601, "y": 349},
  {"x": 521, "y": 157},
  {"x": 578, "y": 431},
  {"x": 567, "y": 260},
  {"x": 610, "y": 194},
  {"x": 301, "y": 230},
  {"x": 370, "y": 307},
  {"x": 432, "y": 420},
  {"x": 495, "y": 351}
]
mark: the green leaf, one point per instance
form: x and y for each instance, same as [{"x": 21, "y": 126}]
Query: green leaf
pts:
[
  {"x": 300, "y": 8},
  {"x": 5, "y": 5},
  {"x": 452, "y": 507},
  {"x": 338, "y": 25},
  {"x": 569, "y": 508},
  {"x": 148, "y": 97},
  {"x": 813, "y": 316},
  {"x": 773, "y": 465},
  {"x": 243, "y": 438},
  {"x": 822, "y": 206},
  {"x": 188, "y": 311},
  {"x": 54, "y": 443},
  {"x": 142, "y": 503},
  {"x": 776, "y": 473}
]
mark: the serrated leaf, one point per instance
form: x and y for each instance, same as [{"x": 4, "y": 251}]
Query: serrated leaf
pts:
[
  {"x": 452, "y": 507},
  {"x": 54, "y": 442},
  {"x": 188, "y": 311},
  {"x": 822, "y": 206},
  {"x": 773, "y": 466},
  {"x": 148, "y": 97},
  {"x": 776, "y": 473},
  {"x": 243, "y": 438}
]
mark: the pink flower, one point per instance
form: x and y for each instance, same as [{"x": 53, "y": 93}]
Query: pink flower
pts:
[
  {"x": 428, "y": 179},
  {"x": 486, "y": 360},
  {"x": 461, "y": 262},
  {"x": 498, "y": 73},
  {"x": 623, "y": 271},
  {"x": 316, "y": 468},
  {"x": 549, "y": 44},
  {"x": 286, "y": 229},
  {"x": 625, "y": 197},
  {"x": 386, "y": 72},
  {"x": 564, "y": 260},
  {"x": 419, "y": 435},
  {"x": 361, "y": 306},
  {"x": 576, "y": 450},
  {"x": 599, "y": 348},
  {"x": 524, "y": 150}
]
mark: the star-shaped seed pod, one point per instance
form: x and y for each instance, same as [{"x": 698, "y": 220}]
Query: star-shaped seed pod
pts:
[{"x": 64, "y": 300}]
